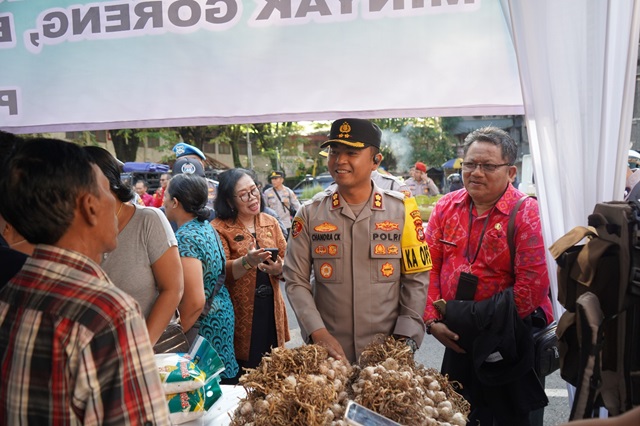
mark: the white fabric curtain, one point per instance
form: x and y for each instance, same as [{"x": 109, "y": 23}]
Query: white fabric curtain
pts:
[{"x": 577, "y": 61}]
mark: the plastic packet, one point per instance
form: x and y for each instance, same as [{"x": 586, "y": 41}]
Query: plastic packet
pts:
[{"x": 188, "y": 406}]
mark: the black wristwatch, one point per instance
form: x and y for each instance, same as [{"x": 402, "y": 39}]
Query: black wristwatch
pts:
[
  {"x": 408, "y": 341},
  {"x": 412, "y": 344}
]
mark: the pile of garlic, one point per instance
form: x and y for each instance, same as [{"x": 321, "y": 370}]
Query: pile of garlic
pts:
[
  {"x": 300, "y": 386},
  {"x": 304, "y": 386},
  {"x": 409, "y": 396}
]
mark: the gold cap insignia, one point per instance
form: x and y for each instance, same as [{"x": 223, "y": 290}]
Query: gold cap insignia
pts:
[{"x": 345, "y": 129}]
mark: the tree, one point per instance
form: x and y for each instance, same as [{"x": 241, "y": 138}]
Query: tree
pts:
[
  {"x": 407, "y": 140},
  {"x": 233, "y": 135},
  {"x": 199, "y": 136},
  {"x": 127, "y": 141},
  {"x": 277, "y": 141}
]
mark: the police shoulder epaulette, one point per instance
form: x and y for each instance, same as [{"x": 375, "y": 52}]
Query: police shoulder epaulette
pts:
[
  {"x": 388, "y": 177},
  {"x": 320, "y": 195},
  {"x": 307, "y": 202},
  {"x": 396, "y": 194}
]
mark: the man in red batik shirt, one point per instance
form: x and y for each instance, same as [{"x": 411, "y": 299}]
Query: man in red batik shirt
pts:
[{"x": 467, "y": 238}]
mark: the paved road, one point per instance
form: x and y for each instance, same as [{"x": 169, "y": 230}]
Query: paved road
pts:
[{"x": 430, "y": 355}]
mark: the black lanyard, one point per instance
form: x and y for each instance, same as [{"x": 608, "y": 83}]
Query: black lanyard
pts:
[{"x": 484, "y": 228}]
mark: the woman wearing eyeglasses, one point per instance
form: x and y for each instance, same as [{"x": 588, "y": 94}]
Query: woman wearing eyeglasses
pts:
[{"x": 252, "y": 277}]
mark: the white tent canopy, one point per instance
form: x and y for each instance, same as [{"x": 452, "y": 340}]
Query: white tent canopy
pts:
[{"x": 127, "y": 64}]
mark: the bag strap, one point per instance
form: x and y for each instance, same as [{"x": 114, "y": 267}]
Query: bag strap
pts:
[
  {"x": 511, "y": 230},
  {"x": 280, "y": 199},
  {"x": 589, "y": 323},
  {"x": 209, "y": 302},
  {"x": 584, "y": 269},
  {"x": 570, "y": 239}
]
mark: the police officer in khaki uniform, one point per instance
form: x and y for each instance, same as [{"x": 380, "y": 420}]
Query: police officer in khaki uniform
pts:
[
  {"x": 356, "y": 262},
  {"x": 387, "y": 181},
  {"x": 420, "y": 183},
  {"x": 281, "y": 199}
]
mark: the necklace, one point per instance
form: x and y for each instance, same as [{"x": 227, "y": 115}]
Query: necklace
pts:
[
  {"x": 18, "y": 243},
  {"x": 118, "y": 214},
  {"x": 251, "y": 227}
]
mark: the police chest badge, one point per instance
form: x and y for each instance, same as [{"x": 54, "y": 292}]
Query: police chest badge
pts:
[
  {"x": 326, "y": 270},
  {"x": 387, "y": 269}
]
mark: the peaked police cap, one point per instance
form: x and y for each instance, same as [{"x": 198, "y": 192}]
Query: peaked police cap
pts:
[{"x": 354, "y": 132}]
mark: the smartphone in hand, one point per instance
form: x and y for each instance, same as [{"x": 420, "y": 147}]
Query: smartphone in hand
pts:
[{"x": 274, "y": 253}]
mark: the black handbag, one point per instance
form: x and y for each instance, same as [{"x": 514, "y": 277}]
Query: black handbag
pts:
[
  {"x": 547, "y": 354},
  {"x": 172, "y": 340}
]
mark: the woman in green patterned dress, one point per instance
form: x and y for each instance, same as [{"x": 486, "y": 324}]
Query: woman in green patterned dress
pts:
[{"x": 206, "y": 305}]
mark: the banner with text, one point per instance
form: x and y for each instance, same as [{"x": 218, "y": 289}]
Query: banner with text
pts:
[{"x": 68, "y": 65}]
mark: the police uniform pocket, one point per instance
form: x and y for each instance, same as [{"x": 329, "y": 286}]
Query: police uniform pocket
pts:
[
  {"x": 327, "y": 271},
  {"x": 385, "y": 251},
  {"x": 385, "y": 270},
  {"x": 386, "y": 261},
  {"x": 327, "y": 261}
]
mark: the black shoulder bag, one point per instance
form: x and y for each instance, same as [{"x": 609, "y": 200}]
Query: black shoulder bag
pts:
[
  {"x": 173, "y": 339},
  {"x": 545, "y": 340}
]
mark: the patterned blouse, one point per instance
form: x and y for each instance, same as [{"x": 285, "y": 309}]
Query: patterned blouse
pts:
[
  {"x": 237, "y": 240},
  {"x": 199, "y": 240}
]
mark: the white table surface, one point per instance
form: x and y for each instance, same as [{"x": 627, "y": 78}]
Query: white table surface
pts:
[{"x": 219, "y": 414}]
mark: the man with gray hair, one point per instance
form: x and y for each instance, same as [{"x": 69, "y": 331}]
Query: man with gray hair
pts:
[{"x": 75, "y": 348}]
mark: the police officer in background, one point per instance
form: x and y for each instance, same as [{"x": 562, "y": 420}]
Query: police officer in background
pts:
[
  {"x": 281, "y": 199},
  {"x": 387, "y": 181},
  {"x": 346, "y": 273},
  {"x": 191, "y": 166},
  {"x": 192, "y": 156},
  {"x": 421, "y": 183}
]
